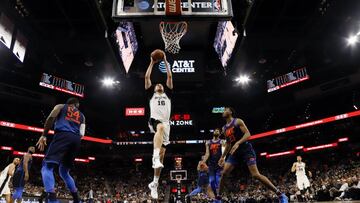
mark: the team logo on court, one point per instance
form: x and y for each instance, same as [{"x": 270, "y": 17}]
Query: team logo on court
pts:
[{"x": 179, "y": 66}]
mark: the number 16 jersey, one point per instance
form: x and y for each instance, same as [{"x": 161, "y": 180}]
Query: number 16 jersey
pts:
[{"x": 160, "y": 104}]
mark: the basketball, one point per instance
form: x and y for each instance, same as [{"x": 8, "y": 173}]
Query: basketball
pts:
[{"x": 157, "y": 54}]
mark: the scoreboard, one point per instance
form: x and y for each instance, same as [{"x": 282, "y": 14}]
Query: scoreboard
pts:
[
  {"x": 288, "y": 79},
  {"x": 62, "y": 85}
]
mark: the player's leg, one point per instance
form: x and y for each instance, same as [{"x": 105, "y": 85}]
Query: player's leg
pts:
[
  {"x": 8, "y": 198},
  {"x": 228, "y": 167},
  {"x": 212, "y": 179},
  {"x": 17, "y": 196},
  {"x": 47, "y": 173},
  {"x": 157, "y": 171},
  {"x": 64, "y": 173},
  {"x": 264, "y": 180},
  {"x": 196, "y": 191},
  {"x": 67, "y": 164},
  {"x": 209, "y": 192},
  {"x": 158, "y": 141}
]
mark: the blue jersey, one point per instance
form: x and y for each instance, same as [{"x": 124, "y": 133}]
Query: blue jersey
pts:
[
  {"x": 20, "y": 167},
  {"x": 215, "y": 153},
  {"x": 69, "y": 120},
  {"x": 233, "y": 132}
]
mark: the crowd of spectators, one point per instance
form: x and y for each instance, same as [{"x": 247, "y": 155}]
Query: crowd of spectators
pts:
[
  {"x": 332, "y": 179},
  {"x": 329, "y": 181}
]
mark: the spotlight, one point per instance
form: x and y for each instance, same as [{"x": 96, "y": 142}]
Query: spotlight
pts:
[
  {"x": 352, "y": 40},
  {"x": 243, "y": 79},
  {"x": 109, "y": 82}
]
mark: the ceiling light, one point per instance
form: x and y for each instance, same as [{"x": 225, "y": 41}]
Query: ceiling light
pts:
[
  {"x": 109, "y": 82},
  {"x": 243, "y": 79},
  {"x": 352, "y": 40}
]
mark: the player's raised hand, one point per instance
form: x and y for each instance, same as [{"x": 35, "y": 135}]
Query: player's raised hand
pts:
[{"x": 41, "y": 143}]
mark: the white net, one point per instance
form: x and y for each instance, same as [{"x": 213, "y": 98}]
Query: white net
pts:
[{"x": 171, "y": 33}]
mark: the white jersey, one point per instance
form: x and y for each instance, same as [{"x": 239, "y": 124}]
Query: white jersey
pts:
[
  {"x": 160, "y": 106},
  {"x": 300, "y": 169},
  {"x": 4, "y": 181}
]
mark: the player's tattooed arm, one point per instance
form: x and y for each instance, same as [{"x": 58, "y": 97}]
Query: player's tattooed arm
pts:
[
  {"x": 207, "y": 152},
  {"x": 51, "y": 119},
  {"x": 48, "y": 125},
  {"x": 148, "y": 74},
  {"x": 169, "y": 80},
  {"x": 244, "y": 138},
  {"x": 293, "y": 168}
]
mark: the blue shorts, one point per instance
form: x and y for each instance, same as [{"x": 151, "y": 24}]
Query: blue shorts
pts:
[
  {"x": 18, "y": 191},
  {"x": 244, "y": 153},
  {"x": 63, "y": 149},
  {"x": 203, "y": 180},
  {"x": 18, "y": 179},
  {"x": 214, "y": 171}
]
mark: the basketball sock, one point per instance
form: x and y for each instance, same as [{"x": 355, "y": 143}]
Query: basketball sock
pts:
[
  {"x": 156, "y": 152},
  {"x": 156, "y": 179},
  {"x": 75, "y": 197},
  {"x": 51, "y": 197}
]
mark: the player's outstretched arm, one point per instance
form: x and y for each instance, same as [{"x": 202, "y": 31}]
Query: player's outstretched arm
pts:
[
  {"x": 169, "y": 80},
  {"x": 148, "y": 74}
]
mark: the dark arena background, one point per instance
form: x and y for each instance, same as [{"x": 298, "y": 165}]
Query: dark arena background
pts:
[{"x": 290, "y": 70}]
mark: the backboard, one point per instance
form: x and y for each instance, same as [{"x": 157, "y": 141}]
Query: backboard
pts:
[{"x": 191, "y": 10}]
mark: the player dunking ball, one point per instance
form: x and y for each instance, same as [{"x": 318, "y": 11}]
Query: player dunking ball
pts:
[
  {"x": 302, "y": 180},
  {"x": 5, "y": 176},
  {"x": 21, "y": 175},
  {"x": 159, "y": 123},
  {"x": 239, "y": 149},
  {"x": 69, "y": 129},
  {"x": 212, "y": 156}
]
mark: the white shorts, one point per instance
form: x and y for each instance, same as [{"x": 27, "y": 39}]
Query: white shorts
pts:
[
  {"x": 6, "y": 189},
  {"x": 302, "y": 182},
  {"x": 166, "y": 136}
]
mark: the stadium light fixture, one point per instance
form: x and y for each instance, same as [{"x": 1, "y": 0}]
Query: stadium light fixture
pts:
[
  {"x": 109, "y": 82},
  {"x": 353, "y": 39},
  {"x": 243, "y": 79}
]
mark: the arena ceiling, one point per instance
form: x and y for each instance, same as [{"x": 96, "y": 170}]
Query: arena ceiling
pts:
[{"x": 74, "y": 40}]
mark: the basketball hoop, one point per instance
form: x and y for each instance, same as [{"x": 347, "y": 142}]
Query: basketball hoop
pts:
[{"x": 171, "y": 33}]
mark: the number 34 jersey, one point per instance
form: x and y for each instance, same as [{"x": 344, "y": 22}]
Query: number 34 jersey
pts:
[
  {"x": 160, "y": 104},
  {"x": 69, "y": 120}
]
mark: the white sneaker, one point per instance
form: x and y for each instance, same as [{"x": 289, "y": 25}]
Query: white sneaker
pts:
[
  {"x": 153, "y": 188},
  {"x": 156, "y": 162}
]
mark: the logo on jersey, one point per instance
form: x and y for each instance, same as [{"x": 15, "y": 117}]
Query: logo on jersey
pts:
[
  {"x": 230, "y": 134},
  {"x": 214, "y": 148},
  {"x": 179, "y": 66}
]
